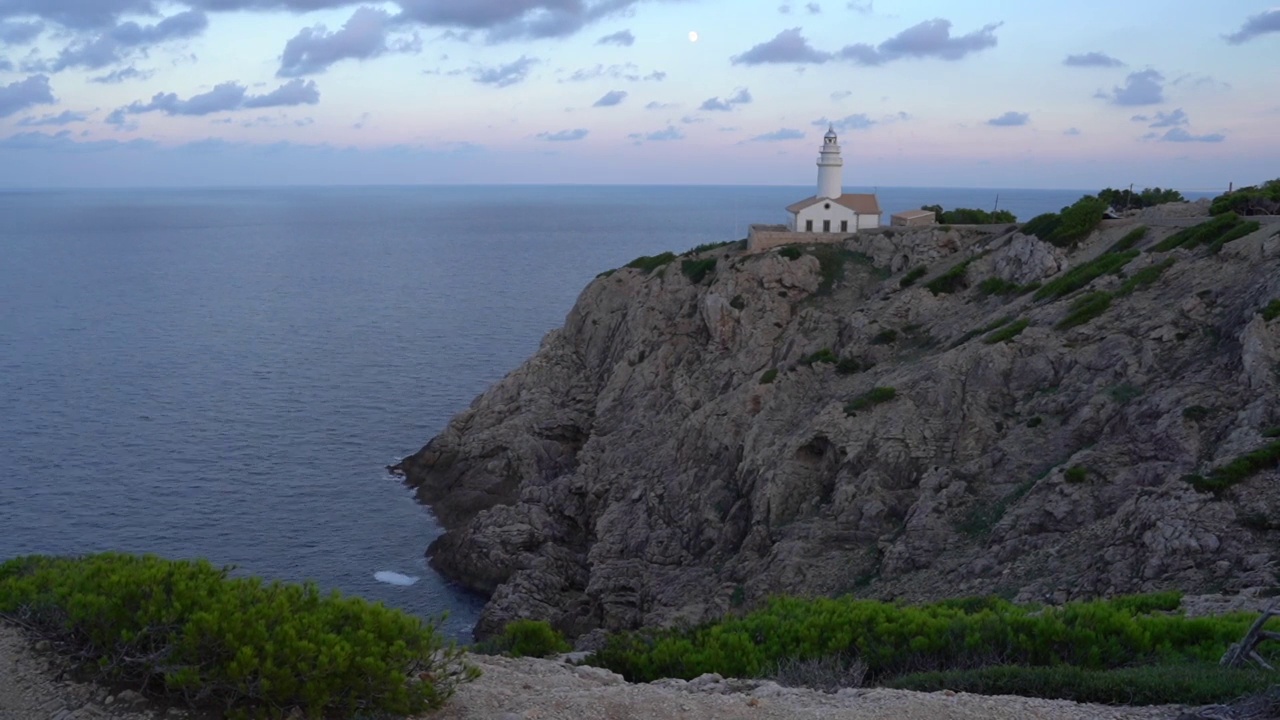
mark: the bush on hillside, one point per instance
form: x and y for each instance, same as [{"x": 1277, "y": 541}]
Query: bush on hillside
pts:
[
  {"x": 869, "y": 399},
  {"x": 1261, "y": 199},
  {"x": 1206, "y": 233},
  {"x": 528, "y": 638},
  {"x": 950, "y": 281},
  {"x": 970, "y": 216},
  {"x": 696, "y": 270},
  {"x": 186, "y": 631},
  {"x": 649, "y": 263},
  {"x": 895, "y": 639},
  {"x": 1147, "y": 197},
  {"x": 1081, "y": 275},
  {"x": 1069, "y": 226}
]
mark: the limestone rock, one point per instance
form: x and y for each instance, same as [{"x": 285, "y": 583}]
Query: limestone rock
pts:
[{"x": 638, "y": 471}]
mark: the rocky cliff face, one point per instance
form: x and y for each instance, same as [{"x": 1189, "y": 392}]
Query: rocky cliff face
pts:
[{"x": 641, "y": 469}]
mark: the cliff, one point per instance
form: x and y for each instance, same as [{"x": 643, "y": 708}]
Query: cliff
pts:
[{"x": 647, "y": 466}]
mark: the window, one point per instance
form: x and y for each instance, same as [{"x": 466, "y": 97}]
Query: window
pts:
[
  {"x": 826, "y": 206},
  {"x": 808, "y": 226},
  {"x": 844, "y": 226},
  {"x": 826, "y": 226}
]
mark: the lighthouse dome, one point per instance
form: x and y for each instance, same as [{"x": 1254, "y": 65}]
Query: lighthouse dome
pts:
[{"x": 831, "y": 133}]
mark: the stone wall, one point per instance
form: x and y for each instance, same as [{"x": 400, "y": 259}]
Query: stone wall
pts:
[{"x": 765, "y": 237}]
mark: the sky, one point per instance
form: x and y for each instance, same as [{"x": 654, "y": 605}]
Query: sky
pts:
[{"x": 924, "y": 93}]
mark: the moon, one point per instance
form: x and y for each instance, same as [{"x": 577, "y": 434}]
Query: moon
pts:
[{"x": 693, "y": 36}]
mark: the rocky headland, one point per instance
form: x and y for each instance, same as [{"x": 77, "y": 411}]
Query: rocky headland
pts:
[{"x": 812, "y": 422}]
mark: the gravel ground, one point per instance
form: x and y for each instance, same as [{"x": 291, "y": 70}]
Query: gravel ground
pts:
[
  {"x": 31, "y": 689},
  {"x": 544, "y": 690}
]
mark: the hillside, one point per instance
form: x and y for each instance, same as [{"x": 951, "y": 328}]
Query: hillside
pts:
[{"x": 680, "y": 449}]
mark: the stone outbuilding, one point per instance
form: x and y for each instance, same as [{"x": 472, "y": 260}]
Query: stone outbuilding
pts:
[{"x": 912, "y": 218}]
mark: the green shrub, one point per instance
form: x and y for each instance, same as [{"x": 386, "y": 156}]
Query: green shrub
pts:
[
  {"x": 1042, "y": 226},
  {"x": 998, "y": 286},
  {"x": 1196, "y": 413},
  {"x": 982, "y": 516},
  {"x": 1147, "y": 197},
  {"x": 791, "y": 252},
  {"x": 1081, "y": 275},
  {"x": 1238, "y": 470},
  {"x": 530, "y": 638},
  {"x": 910, "y": 278},
  {"x": 1271, "y": 311},
  {"x": 1272, "y": 432},
  {"x": 1244, "y": 229},
  {"x": 649, "y": 263},
  {"x": 1190, "y": 684},
  {"x": 769, "y": 376},
  {"x": 187, "y": 631},
  {"x": 869, "y": 399},
  {"x": 1076, "y": 474},
  {"x": 1124, "y": 393},
  {"x": 1086, "y": 308},
  {"x": 1144, "y": 277},
  {"x": 1131, "y": 238},
  {"x": 951, "y": 280},
  {"x": 696, "y": 270},
  {"x": 606, "y": 273},
  {"x": 1008, "y": 332},
  {"x": 970, "y": 216},
  {"x": 885, "y": 337},
  {"x": 894, "y": 639},
  {"x": 822, "y": 356},
  {"x": 1077, "y": 221},
  {"x": 849, "y": 366},
  {"x": 1251, "y": 200},
  {"x": 1206, "y": 233},
  {"x": 708, "y": 246}
]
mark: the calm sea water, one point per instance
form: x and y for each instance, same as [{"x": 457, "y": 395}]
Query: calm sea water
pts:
[{"x": 225, "y": 373}]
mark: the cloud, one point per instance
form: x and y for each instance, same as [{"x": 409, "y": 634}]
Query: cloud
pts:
[
  {"x": 1164, "y": 119},
  {"x": 1264, "y": 22},
  {"x": 222, "y": 98},
  {"x": 66, "y": 117},
  {"x": 741, "y": 97},
  {"x": 623, "y": 38},
  {"x": 19, "y": 33},
  {"x": 293, "y": 93},
  {"x": 118, "y": 76},
  {"x": 931, "y": 38},
  {"x": 1140, "y": 88},
  {"x": 77, "y": 14},
  {"x": 840, "y": 95},
  {"x": 515, "y": 19},
  {"x": 1010, "y": 119},
  {"x": 23, "y": 94},
  {"x": 62, "y": 142},
  {"x": 611, "y": 98},
  {"x": 112, "y": 46},
  {"x": 1180, "y": 135},
  {"x": 788, "y": 46},
  {"x": 655, "y": 105},
  {"x": 564, "y": 135},
  {"x": 365, "y": 35},
  {"x": 1092, "y": 59},
  {"x": 866, "y": 7},
  {"x": 626, "y": 71},
  {"x": 5, "y": 65},
  {"x": 505, "y": 75},
  {"x": 1071, "y": 131},
  {"x": 813, "y": 8},
  {"x": 779, "y": 135},
  {"x": 858, "y": 121},
  {"x": 667, "y": 134}
]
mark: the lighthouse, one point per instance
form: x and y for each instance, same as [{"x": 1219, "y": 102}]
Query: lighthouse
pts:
[
  {"x": 830, "y": 166},
  {"x": 832, "y": 211}
]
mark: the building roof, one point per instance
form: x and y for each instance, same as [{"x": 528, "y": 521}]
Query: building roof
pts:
[
  {"x": 861, "y": 203},
  {"x": 910, "y": 214}
]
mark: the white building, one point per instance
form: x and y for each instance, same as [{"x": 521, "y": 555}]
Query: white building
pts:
[{"x": 832, "y": 210}]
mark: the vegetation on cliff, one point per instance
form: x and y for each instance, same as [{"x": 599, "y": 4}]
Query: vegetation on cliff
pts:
[
  {"x": 970, "y": 216},
  {"x": 188, "y": 632},
  {"x": 1129, "y": 649}
]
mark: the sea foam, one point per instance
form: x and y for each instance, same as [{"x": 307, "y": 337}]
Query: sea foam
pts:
[{"x": 394, "y": 578}]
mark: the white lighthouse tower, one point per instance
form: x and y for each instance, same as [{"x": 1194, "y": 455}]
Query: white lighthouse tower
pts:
[{"x": 830, "y": 166}]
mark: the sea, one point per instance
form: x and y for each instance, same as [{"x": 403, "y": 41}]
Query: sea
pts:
[{"x": 226, "y": 373}]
